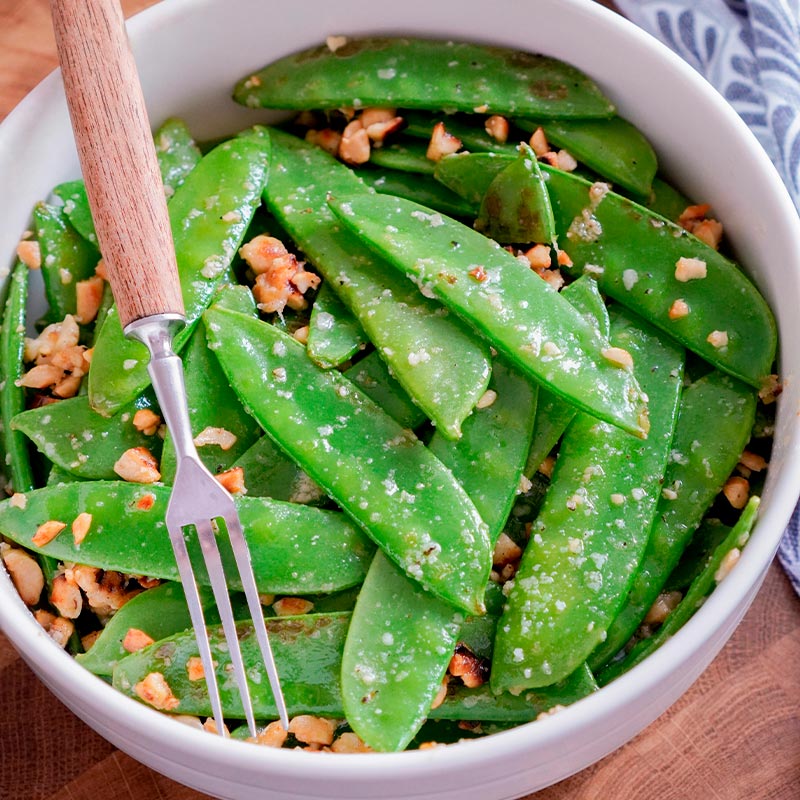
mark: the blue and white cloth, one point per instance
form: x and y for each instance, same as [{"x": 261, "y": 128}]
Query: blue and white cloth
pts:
[{"x": 750, "y": 51}]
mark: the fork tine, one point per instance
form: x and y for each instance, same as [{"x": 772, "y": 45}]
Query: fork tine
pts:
[
  {"x": 242, "y": 556},
  {"x": 219, "y": 587},
  {"x": 198, "y": 620}
]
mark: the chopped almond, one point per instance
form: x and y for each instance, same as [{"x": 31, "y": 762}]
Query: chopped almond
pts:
[
  {"x": 661, "y": 608},
  {"x": 312, "y": 730},
  {"x": 155, "y": 691},
  {"x": 66, "y": 597},
  {"x": 497, "y": 127},
  {"x": 709, "y": 231},
  {"x": 690, "y": 269},
  {"x": 718, "y": 339},
  {"x": 30, "y": 254},
  {"x": 679, "y": 309},
  {"x": 47, "y": 531},
  {"x": 261, "y": 252},
  {"x": 146, "y": 421},
  {"x": 441, "y": 694},
  {"x": 478, "y": 273},
  {"x": 137, "y": 465},
  {"x": 487, "y": 399},
  {"x": 291, "y": 606},
  {"x": 354, "y": 148},
  {"x": 100, "y": 270},
  {"x": 220, "y": 437},
  {"x": 59, "y": 629},
  {"x": 538, "y": 257},
  {"x": 40, "y": 377},
  {"x": 232, "y": 480},
  {"x": 274, "y": 735},
  {"x": 506, "y": 550},
  {"x": 618, "y": 357},
  {"x": 80, "y": 526},
  {"x": 464, "y": 664},
  {"x": 350, "y": 742},
  {"x": 25, "y": 572},
  {"x": 136, "y": 640},
  {"x": 753, "y": 461},
  {"x": 737, "y": 491},
  {"x": 195, "y": 669},
  {"x": 563, "y": 258},
  {"x": 539, "y": 143},
  {"x": 770, "y": 390},
  {"x": 566, "y": 161},
  {"x": 442, "y": 143},
  {"x": 89, "y": 294},
  {"x": 328, "y": 139}
]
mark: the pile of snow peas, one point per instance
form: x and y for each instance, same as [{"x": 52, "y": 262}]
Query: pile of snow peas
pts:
[{"x": 497, "y": 448}]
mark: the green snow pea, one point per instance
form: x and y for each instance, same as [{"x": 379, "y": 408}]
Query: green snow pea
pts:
[
  {"x": 422, "y": 73},
  {"x": 702, "y": 457},
  {"x": 177, "y": 156},
  {"x": 708, "y": 536},
  {"x": 82, "y": 442},
  {"x": 712, "y": 573},
  {"x": 552, "y": 413},
  {"x": 395, "y": 623},
  {"x": 525, "y": 319},
  {"x": 469, "y": 129},
  {"x": 378, "y": 472},
  {"x": 612, "y": 233},
  {"x": 516, "y": 206},
  {"x": 211, "y": 404},
  {"x": 209, "y": 214},
  {"x": 334, "y": 334},
  {"x": 177, "y": 153},
  {"x": 66, "y": 259},
  {"x": 434, "y": 358},
  {"x": 295, "y": 549},
  {"x": 12, "y": 398},
  {"x": 591, "y": 532},
  {"x": 422, "y": 189},
  {"x": 408, "y": 156},
  {"x": 105, "y": 304},
  {"x": 611, "y": 147},
  {"x": 666, "y": 200},
  {"x": 159, "y": 612},
  {"x": 58, "y": 476}
]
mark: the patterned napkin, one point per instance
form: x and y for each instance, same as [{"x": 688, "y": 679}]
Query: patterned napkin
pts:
[{"x": 750, "y": 51}]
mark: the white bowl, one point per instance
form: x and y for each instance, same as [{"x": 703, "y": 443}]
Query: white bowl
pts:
[{"x": 190, "y": 54}]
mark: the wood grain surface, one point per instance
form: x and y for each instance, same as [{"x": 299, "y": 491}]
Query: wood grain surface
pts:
[{"x": 735, "y": 735}]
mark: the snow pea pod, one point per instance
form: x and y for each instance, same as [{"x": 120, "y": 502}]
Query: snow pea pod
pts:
[
  {"x": 422, "y": 73},
  {"x": 334, "y": 334},
  {"x": 666, "y": 200},
  {"x": 711, "y": 574},
  {"x": 82, "y": 442},
  {"x": 436, "y": 360},
  {"x": 516, "y": 206},
  {"x": 591, "y": 532},
  {"x": 295, "y": 549},
  {"x": 159, "y": 612},
  {"x": 408, "y": 156},
  {"x": 76, "y": 207},
  {"x": 211, "y": 404},
  {"x": 523, "y": 316},
  {"x": 209, "y": 215},
  {"x": 553, "y": 415},
  {"x": 727, "y": 322},
  {"x": 469, "y": 129},
  {"x": 702, "y": 456},
  {"x": 12, "y": 398},
  {"x": 394, "y": 622},
  {"x": 66, "y": 258},
  {"x": 378, "y": 472},
  {"x": 614, "y": 148},
  {"x": 422, "y": 189}
]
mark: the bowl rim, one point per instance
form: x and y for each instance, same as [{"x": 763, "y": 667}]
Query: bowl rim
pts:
[{"x": 642, "y": 680}]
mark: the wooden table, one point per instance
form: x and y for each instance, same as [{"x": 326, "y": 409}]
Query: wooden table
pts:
[{"x": 734, "y": 736}]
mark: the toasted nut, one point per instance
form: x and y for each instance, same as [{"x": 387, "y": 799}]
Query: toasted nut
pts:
[
  {"x": 146, "y": 502},
  {"x": 770, "y": 390},
  {"x": 753, "y": 461},
  {"x": 137, "y": 465},
  {"x": 718, "y": 339},
  {"x": 679, "y": 309},
  {"x": 729, "y": 561},
  {"x": 442, "y": 693},
  {"x": 354, "y": 148},
  {"x": 472, "y": 670},
  {"x": 566, "y": 161},
  {"x": 60, "y": 630},
  {"x": 106, "y": 591},
  {"x": 505, "y": 550},
  {"x": 195, "y": 669},
  {"x": 709, "y": 231},
  {"x": 55, "y": 337},
  {"x": 301, "y": 334},
  {"x": 487, "y": 399},
  {"x": 233, "y": 480},
  {"x": 378, "y": 131},
  {"x": 215, "y": 436},
  {"x": 375, "y": 115},
  {"x": 68, "y": 387},
  {"x": 328, "y": 139},
  {"x": 442, "y": 143},
  {"x": 89, "y": 294},
  {"x": 618, "y": 357},
  {"x": 538, "y": 257},
  {"x": 155, "y": 691},
  {"x": 18, "y": 500},
  {"x": 660, "y": 610},
  {"x": 692, "y": 214},
  {"x": 40, "y": 377},
  {"x": 100, "y": 270},
  {"x": 47, "y": 531},
  {"x": 274, "y": 735},
  {"x": 428, "y": 745},
  {"x": 737, "y": 491},
  {"x": 146, "y": 421},
  {"x": 25, "y": 572},
  {"x": 312, "y": 730},
  {"x": 30, "y": 254},
  {"x": 478, "y": 273},
  {"x": 547, "y": 466},
  {"x": 261, "y": 251},
  {"x": 188, "y": 719},
  {"x": 135, "y": 640},
  {"x": 66, "y": 597},
  {"x": 690, "y": 269},
  {"x": 290, "y": 606},
  {"x": 563, "y": 259},
  {"x": 497, "y": 127},
  {"x": 539, "y": 143},
  {"x": 210, "y": 726},
  {"x": 349, "y": 742},
  {"x": 553, "y": 277}
]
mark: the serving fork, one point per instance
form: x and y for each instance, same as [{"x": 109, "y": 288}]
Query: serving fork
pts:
[{"x": 128, "y": 204}]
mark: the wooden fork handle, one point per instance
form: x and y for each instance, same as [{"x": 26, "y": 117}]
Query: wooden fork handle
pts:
[{"x": 117, "y": 156}]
